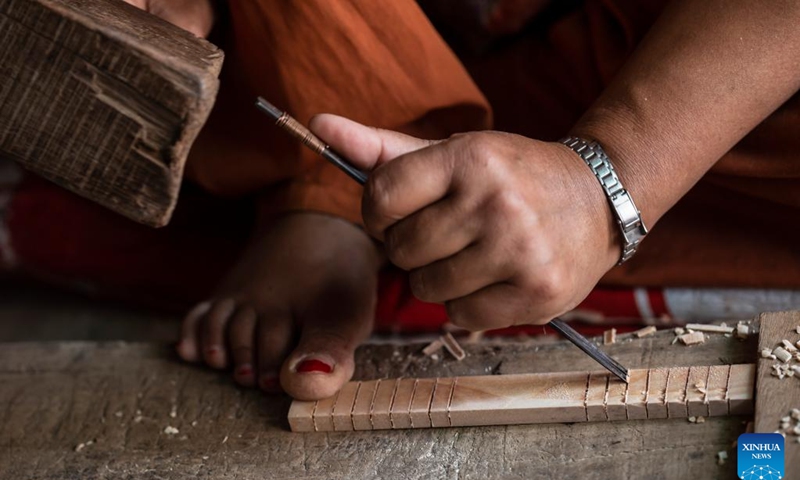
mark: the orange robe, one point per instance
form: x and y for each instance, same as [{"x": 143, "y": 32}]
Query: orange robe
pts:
[{"x": 384, "y": 64}]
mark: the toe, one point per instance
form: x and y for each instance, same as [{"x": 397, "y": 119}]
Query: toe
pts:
[
  {"x": 324, "y": 358},
  {"x": 273, "y": 339},
  {"x": 188, "y": 346},
  {"x": 212, "y": 330},
  {"x": 241, "y": 342}
]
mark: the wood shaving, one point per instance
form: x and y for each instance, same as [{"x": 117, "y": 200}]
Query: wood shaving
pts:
[
  {"x": 765, "y": 353},
  {"x": 170, "y": 430},
  {"x": 433, "y": 347},
  {"x": 82, "y": 445},
  {"x": 782, "y": 354},
  {"x": 692, "y": 338},
  {"x": 452, "y": 346},
  {"x": 646, "y": 331},
  {"x": 679, "y": 331},
  {"x": 701, "y": 419},
  {"x": 742, "y": 331},
  {"x": 610, "y": 336},
  {"x": 699, "y": 327}
]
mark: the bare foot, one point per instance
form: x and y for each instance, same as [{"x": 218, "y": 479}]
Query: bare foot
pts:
[{"x": 293, "y": 310}]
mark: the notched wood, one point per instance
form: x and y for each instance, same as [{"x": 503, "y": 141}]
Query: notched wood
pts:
[{"x": 103, "y": 99}]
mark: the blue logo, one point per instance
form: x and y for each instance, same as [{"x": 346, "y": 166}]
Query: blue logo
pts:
[{"x": 760, "y": 456}]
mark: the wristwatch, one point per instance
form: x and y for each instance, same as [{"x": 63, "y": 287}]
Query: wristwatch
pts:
[{"x": 628, "y": 216}]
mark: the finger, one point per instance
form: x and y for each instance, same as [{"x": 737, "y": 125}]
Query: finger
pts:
[
  {"x": 241, "y": 344},
  {"x": 273, "y": 340},
  {"x": 138, "y": 3},
  {"x": 188, "y": 346},
  {"x": 434, "y": 233},
  {"x": 406, "y": 185},
  {"x": 212, "y": 331},
  {"x": 496, "y": 306},
  {"x": 460, "y": 275},
  {"x": 324, "y": 358},
  {"x": 366, "y": 147}
]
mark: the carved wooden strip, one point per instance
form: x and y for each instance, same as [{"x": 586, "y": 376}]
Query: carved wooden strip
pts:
[
  {"x": 741, "y": 386},
  {"x": 382, "y": 404},
  {"x": 656, "y": 402},
  {"x": 421, "y": 403},
  {"x": 322, "y": 417},
  {"x": 343, "y": 409},
  {"x": 400, "y": 414},
  {"x": 718, "y": 390},
  {"x": 696, "y": 392},
  {"x": 677, "y": 381},
  {"x": 637, "y": 393},
  {"x": 362, "y": 409},
  {"x": 595, "y": 403},
  {"x": 442, "y": 395},
  {"x": 535, "y": 398},
  {"x": 616, "y": 406}
]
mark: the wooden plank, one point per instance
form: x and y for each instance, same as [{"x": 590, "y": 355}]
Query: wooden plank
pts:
[
  {"x": 775, "y": 398},
  {"x": 103, "y": 99},
  {"x": 537, "y": 398},
  {"x": 56, "y": 395}
]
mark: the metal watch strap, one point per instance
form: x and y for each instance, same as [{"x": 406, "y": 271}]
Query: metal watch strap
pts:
[{"x": 628, "y": 216}]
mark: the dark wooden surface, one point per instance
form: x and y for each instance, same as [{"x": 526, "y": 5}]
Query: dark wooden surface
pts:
[
  {"x": 775, "y": 398},
  {"x": 103, "y": 99},
  {"x": 55, "y": 396}
]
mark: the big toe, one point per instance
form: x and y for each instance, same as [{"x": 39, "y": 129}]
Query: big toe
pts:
[{"x": 318, "y": 367}]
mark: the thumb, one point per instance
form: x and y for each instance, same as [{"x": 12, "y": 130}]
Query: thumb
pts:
[{"x": 366, "y": 147}]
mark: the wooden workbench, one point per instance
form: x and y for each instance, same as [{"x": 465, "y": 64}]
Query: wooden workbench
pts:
[{"x": 56, "y": 396}]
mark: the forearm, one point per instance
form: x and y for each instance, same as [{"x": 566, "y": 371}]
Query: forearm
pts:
[{"x": 707, "y": 73}]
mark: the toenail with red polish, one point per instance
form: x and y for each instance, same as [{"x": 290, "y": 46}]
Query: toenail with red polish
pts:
[
  {"x": 313, "y": 365},
  {"x": 244, "y": 370}
]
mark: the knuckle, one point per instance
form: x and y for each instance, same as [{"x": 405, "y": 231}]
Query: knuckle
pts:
[{"x": 548, "y": 286}]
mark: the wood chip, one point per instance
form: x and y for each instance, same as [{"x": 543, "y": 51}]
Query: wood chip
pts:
[
  {"x": 452, "y": 346},
  {"x": 722, "y": 455},
  {"x": 700, "y": 327},
  {"x": 610, "y": 336},
  {"x": 782, "y": 354},
  {"x": 766, "y": 353},
  {"x": 170, "y": 430},
  {"x": 788, "y": 346},
  {"x": 433, "y": 347},
  {"x": 692, "y": 338},
  {"x": 742, "y": 331},
  {"x": 679, "y": 331},
  {"x": 645, "y": 331}
]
